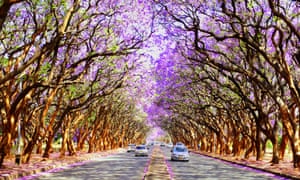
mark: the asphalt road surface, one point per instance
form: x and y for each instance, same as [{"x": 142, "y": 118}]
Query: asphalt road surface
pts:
[
  {"x": 202, "y": 167},
  {"x": 122, "y": 166},
  {"x": 125, "y": 166}
]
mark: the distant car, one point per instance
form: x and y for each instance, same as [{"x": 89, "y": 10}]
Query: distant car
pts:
[
  {"x": 141, "y": 150},
  {"x": 180, "y": 153},
  {"x": 131, "y": 148},
  {"x": 162, "y": 145},
  {"x": 179, "y": 144},
  {"x": 148, "y": 146},
  {"x": 170, "y": 145}
]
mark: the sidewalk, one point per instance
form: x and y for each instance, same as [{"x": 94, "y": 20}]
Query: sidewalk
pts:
[
  {"x": 54, "y": 163},
  {"x": 284, "y": 168}
]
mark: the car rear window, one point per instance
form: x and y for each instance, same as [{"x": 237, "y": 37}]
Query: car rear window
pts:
[
  {"x": 140, "y": 147},
  {"x": 180, "y": 149}
]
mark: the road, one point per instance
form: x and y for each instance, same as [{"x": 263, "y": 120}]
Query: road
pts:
[
  {"x": 122, "y": 166},
  {"x": 125, "y": 166},
  {"x": 201, "y": 167}
]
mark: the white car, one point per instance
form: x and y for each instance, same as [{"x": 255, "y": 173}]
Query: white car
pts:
[
  {"x": 141, "y": 150},
  {"x": 180, "y": 153},
  {"x": 131, "y": 148},
  {"x": 170, "y": 145}
]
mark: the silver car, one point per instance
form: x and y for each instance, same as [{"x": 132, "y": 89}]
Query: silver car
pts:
[
  {"x": 180, "y": 153},
  {"x": 141, "y": 150},
  {"x": 131, "y": 148}
]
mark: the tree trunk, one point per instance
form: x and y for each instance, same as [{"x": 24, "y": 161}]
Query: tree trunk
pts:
[
  {"x": 203, "y": 146},
  {"x": 5, "y": 147},
  {"x": 249, "y": 151},
  {"x": 81, "y": 141},
  {"x": 275, "y": 156},
  {"x": 27, "y": 152},
  {"x": 283, "y": 145},
  {"x": 236, "y": 146},
  {"x": 70, "y": 146},
  {"x": 39, "y": 147},
  {"x": 91, "y": 145},
  {"x": 30, "y": 146},
  {"x": 258, "y": 142},
  {"x": 291, "y": 134},
  {"x": 296, "y": 156},
  {"x": 65, "y": 136},
  {"x": 48, "y": 148}
]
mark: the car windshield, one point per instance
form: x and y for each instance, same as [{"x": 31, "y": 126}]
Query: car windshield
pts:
[
  {"x": 140, "y": 147},
  {"x": 180, "y": 149}
]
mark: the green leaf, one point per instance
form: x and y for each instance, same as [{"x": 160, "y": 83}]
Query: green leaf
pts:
[
  {"x": 250, "y": 4},
  {"x": 259, "y": 13},
  {"x": 64, "y": 3},
  {"x": 3, "y": 62},
  {"x": 45, "y": 68},
  {"x": 275, "y": 18},
  {"x": 92, "y": 53},
  {"x": 114, "y": 48},
  {"x": 72, "y": 90},
  {"x": 18, "y": 13},
  {"x": 92, "y": 117}
]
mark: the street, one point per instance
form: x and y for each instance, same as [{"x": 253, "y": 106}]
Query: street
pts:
[
  {"x": 125, "y": 166},
  {"x": 201, "y": 167}
]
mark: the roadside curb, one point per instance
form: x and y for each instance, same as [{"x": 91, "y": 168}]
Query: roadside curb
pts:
[{"x": 249, "y": 166}]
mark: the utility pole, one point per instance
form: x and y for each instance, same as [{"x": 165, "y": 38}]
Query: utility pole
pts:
[{"x": 18, "y": 153}]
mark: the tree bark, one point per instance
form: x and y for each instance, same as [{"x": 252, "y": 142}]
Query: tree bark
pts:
[{"x": 283, "y": 145}]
